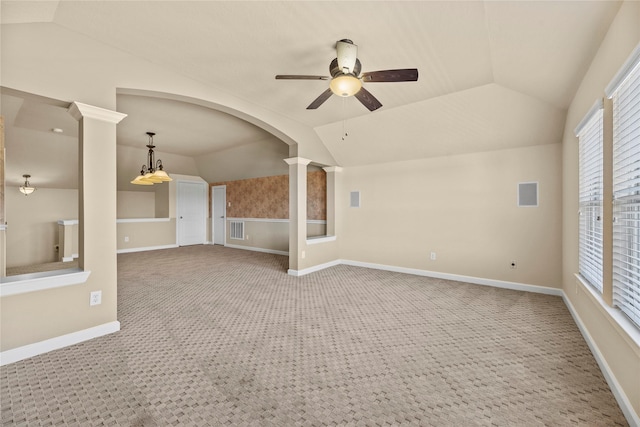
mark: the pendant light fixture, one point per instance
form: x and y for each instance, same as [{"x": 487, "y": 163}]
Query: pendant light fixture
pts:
[
  {"x": 152, "y": 172},
  {"x": 27, "y": 189}
]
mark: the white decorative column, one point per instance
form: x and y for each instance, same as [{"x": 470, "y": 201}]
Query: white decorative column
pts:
[
  {"x": 97, "y": 236},
  {"x": 297, "y": 210}
]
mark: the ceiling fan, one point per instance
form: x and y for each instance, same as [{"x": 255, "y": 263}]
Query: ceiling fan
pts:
[{"x": 346, "y": 79}]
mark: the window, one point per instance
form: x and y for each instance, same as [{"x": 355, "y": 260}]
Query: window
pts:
[
  {"x": 589, "y": 133},
  {"x": 625, "y": 92}
]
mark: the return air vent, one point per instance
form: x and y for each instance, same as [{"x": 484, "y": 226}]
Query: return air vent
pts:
[
  {"x": 354, "y": 199},
  {"x": 528, "y": 194},
  {"x": 236, "y": 230}
]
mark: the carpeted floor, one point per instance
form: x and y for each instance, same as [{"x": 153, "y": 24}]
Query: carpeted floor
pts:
[{"x": 216, "y": 336}]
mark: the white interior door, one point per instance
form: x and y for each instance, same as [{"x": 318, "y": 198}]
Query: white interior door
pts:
[
  {"x": 192, "y": 214},
  {"x": 219, "y": 213}
]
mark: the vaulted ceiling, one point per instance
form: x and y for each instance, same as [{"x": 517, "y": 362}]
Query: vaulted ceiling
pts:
[{"x": 493, "y": 74}]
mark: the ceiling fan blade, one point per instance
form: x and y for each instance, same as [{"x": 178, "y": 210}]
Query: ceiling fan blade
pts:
[
  {"x": 320, "y": 100},
  {"x": 296, "y": 77},
  {"x": 368, "y": 100},
  {"x": 403, "y": 75}
]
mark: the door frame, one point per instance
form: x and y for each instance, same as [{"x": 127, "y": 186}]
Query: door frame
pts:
[
  {"x": 204, "y": 209},
  {"x": 224, "y": 223}
]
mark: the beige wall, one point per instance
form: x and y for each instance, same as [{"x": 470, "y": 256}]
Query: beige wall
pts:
[
  {"x": 146, "y": 234},
  {"x": 463, "y": 208},
  {"x": 619, "y": 352},
  {"x": 32, "y": 232},
  {"x": 136, "y": 204},
  {"x": 239, "y": 162}
]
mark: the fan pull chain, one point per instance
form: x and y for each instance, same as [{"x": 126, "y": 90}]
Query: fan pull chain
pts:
[{"x": 344, "y": 120}]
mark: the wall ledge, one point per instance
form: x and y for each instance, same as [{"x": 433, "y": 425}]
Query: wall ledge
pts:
[
  {"x": 145, "y": 248},
  {"x": 320, "y": 239},
  {"x": 35, "y": 349},
  {"x": 23, "y": 283},
  {"x": 128, "y": 220}
]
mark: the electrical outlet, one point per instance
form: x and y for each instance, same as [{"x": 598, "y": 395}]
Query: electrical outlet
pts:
[
  {"x": 514, "y": 264},
  {"x": 95, "y": 298},
  {"x": 303, "y": 255},
  {"x": 126, "y": 238},
  {"x": 247, "y": 237},
  {"x": 433, "y": 256}
]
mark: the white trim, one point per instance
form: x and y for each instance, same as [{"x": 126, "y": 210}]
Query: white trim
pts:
[
  {"x": 67, "y": 258},
  {"x": 467, "y": 279},
  {"x": 460, "y": 278},
  {"x": 329, "y": 169},
  {"x": 320, "y": 239},
  {"x": 145, "y": 248},
  {"x": 632, "y": 61},
  {"x": 79, "y": 110},
  {"x": 35, "y": 349},
  {"x": 297, "y": 161},
  {"x": 618, "y": 392},
  {"x": 309, "y": 221},
  {"x": 23, "y": 283},
  {"x": 127, "y": 220},
  {"x": 68, "y": 222},
  {"x": 257, "y": 219},
  {"x": 597, "y": 106},
  {"x": 255, "y": 249},
  {"x": 314, "y": 268}
]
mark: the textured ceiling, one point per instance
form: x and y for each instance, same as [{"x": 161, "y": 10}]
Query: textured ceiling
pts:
[{"x": 493, "y": 74}]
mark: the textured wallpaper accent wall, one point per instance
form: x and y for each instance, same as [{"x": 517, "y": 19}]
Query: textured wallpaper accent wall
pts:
[{"x": 268, "y": 197}]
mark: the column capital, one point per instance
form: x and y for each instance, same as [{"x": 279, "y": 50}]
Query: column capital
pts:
[
  {"x": 330, "y": 169},
  {"x": 297, "y": 161},
  {"x": 79, "y": 110}
]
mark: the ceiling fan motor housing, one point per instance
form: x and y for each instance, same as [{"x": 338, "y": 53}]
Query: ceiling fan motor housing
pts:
[
  {"x": 347, "y": 53},
  {"x": 335, "y": 70}
]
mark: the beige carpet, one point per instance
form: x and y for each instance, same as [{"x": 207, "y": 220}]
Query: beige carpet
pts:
[{"x": 214, "y": 336}]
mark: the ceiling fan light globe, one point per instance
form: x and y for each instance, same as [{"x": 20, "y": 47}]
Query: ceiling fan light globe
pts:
[
  {"x": 27, "y": 190},
  {"x": 345, "y": 85}
]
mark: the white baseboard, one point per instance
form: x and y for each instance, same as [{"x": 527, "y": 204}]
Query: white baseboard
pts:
[
  {"x": 625, "y": 405},
  {"x": 145, "y": 248},
  {"x": 252, "y": 248},
  {"x": 30, "y": 350},
  {"x": 314, "y": 268},
  {"x": 467, "y": 279}
]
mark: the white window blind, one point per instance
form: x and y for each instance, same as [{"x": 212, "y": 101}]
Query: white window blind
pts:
[
  {"x": 590, "y": 137},
  {"x": 626, "y": 191}
]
